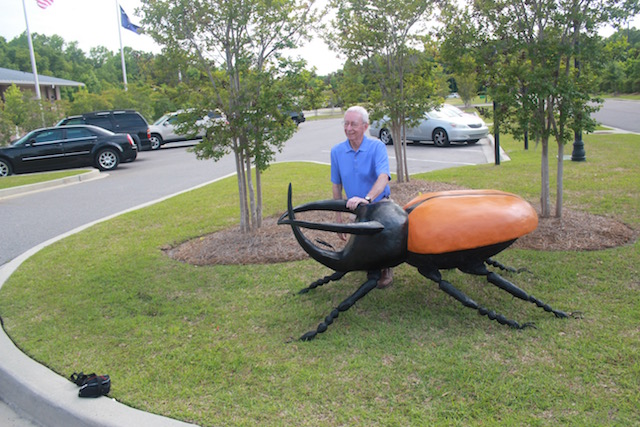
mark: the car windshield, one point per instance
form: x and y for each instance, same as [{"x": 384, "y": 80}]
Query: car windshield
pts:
[
  {"x": 22, "y": 141},
  {"x": 161, "y": 119},
  {"x": 453, "y": 109},
  {"x": 442, "y": 114}
]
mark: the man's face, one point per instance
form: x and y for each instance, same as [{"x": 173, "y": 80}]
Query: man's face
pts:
[{"x": 354, "y": 127}]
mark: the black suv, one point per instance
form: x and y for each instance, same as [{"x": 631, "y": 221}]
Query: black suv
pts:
[{"x": 118, "y": 121}]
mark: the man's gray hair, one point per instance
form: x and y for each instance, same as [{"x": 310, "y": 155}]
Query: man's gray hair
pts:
[{"x": 360, "y": 110}]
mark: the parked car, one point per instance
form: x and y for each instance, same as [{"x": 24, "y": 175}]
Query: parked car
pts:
[
  {"x": 441, "y": 126},
  {"x": 297, "y": 116},
  {"x": 67, "y": 147},
  {"x": 165, "y": 130},
  {"x": 118, "y": 121}
]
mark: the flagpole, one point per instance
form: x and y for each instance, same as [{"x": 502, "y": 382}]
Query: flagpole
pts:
[
  {"x": 33, "y": 57},
  {"x": 124, "y": 67}
]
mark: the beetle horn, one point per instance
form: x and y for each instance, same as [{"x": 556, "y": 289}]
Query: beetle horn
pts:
[{"x": 331, "y": 259}]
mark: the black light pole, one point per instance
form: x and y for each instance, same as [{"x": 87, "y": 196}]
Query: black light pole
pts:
[
  {"x": 578, "y": 154},
  {"x": 496, "y": 132}
]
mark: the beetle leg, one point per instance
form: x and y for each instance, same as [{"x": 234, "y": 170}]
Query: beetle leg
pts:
[
  {"x": 468, "y": 302},
  {"x": 371, "y": 283},
  {"x": 337, "y": 275},
  {"x": 506, "y": 285},
  {"x": 501, "y": 266}
]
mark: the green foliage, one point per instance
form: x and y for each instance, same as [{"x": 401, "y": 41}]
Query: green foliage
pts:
[
  {"x": 622, "y": 69},
  {"x": 176, "y": 79},
  {"x": 84, "y": 101},
  {"x": 20, "y": 112}
]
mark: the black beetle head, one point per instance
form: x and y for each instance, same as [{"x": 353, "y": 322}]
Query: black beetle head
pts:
[{"x": 378, "y": 235}]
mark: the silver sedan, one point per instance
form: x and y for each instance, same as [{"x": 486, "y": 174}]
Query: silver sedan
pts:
[{"x": 441, "y": 126}]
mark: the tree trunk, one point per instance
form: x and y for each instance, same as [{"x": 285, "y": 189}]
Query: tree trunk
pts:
[
  {"x": 405, "y": 166},
  {"x": 559, "y": 185},
  {"x": 242, "y": 189},
  {"x": 258, "y": 198},
  {"x": 545, "y": 199},
  {"x": 250, "y": 191},
  {"x": 397, "y": 135},
  {"x": 397, "y": 148}
]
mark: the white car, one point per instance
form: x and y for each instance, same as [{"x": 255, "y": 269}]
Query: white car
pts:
[
  {"x": 164, "y": 129},
  {"x": 441, "y": 126}
]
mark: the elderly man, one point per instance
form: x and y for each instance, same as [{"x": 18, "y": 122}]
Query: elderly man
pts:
[{"x": 360, "y": 167}]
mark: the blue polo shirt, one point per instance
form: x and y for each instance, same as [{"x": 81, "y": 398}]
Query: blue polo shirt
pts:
[{"x": 357, "y": 171}]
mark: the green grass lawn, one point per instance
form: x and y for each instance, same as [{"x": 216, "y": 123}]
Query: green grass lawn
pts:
[
  {"x": 34, "y": 178},
  {"x": 215, "y": 345}
]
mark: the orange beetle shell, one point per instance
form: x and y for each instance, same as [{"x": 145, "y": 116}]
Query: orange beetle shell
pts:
[{"x": 451, "y": 221}]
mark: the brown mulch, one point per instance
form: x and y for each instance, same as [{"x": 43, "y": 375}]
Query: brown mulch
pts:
[{"x": 575, "y": 231}]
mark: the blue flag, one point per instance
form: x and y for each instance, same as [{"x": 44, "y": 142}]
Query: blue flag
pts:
[{"x": 124, "y": 20}]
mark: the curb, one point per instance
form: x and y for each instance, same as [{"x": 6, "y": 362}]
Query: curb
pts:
[{"x": 54, "y": 183}]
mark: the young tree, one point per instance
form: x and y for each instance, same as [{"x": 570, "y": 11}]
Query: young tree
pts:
[
  {"x": 238, "y": 45},
  {"x": 540, "y": 60},
  {"x": 381, "y": 36}
]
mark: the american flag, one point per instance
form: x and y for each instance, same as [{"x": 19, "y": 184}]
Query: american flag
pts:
[{"x": 44, "y": 3}]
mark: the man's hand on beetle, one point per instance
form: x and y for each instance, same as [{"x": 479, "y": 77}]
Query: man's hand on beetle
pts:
[{"x": 353, "y": 202}]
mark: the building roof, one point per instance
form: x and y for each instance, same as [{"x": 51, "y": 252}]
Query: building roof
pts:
[{"x": 8, "y": 77}]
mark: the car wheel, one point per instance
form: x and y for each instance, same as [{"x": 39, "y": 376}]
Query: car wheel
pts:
[
  {"x": 156, "y": 141},
  {"x": 440, "y": 137},
  {"x": 472, "y": 141},
  {"x": 5, "y": 168},
  {"x": 107, "y": 159},
  {"x": 385, "y": 136}
]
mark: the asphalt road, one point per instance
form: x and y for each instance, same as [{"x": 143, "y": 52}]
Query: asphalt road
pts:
[
  {"x": 620, "y": 114},
  {"x": 31, "y": 219}
]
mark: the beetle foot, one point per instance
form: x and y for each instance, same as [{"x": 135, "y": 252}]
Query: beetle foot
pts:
[
  {"x": 560, "y": 314},
  {"x": 528, "y": 325},
  {"x": 308, "y": 336}
]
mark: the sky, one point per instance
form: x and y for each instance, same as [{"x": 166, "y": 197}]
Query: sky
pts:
[{"x": 94, "y": 23}]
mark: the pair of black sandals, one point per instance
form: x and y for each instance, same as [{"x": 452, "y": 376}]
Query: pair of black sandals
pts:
[{"x": 91, "y": 385}]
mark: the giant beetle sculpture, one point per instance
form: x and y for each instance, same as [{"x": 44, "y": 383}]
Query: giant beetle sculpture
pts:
[{"x": 459, "y": 229}]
